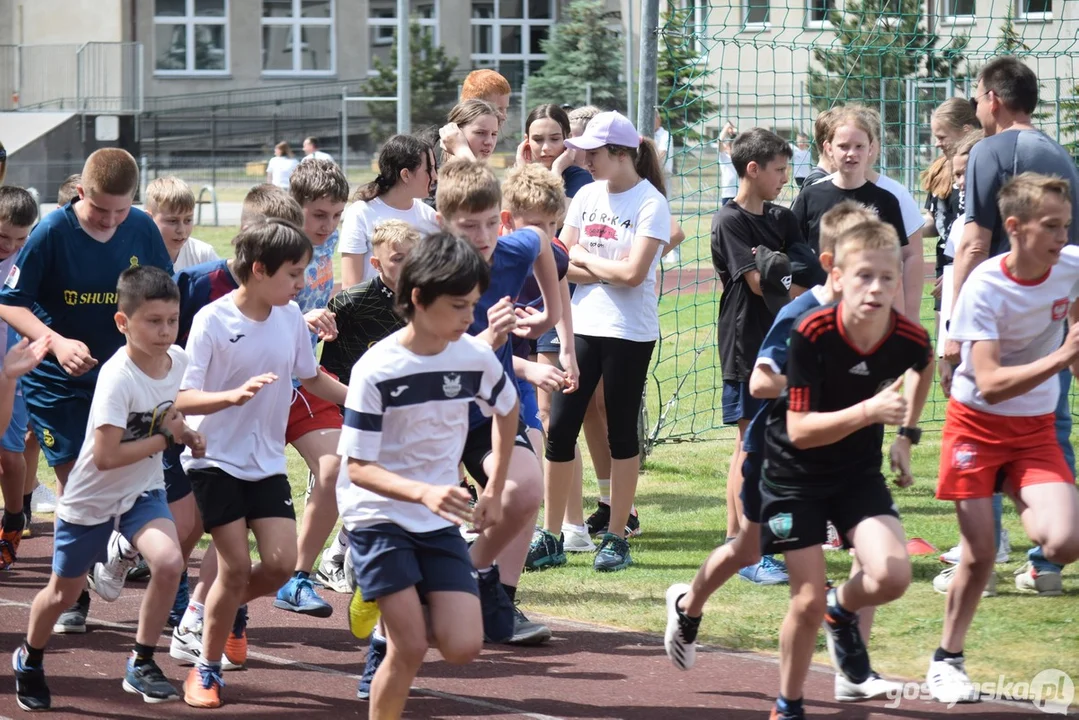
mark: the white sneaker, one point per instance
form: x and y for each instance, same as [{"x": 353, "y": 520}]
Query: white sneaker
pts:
[
  {"x": 1005, "y": 548},
  {"x": 186, "y": 647},
  {"x": 944, "y": 579},
  {"x": 43, "y": 500},
  {"x": 577, "y": 541},
  {"x": 680, "y": 637},
  {"x": 874, "y": 687},
  {"x": 332, "y": 575},
  {"x": 108, "y": 578},
  {"x": 952, "y": 556},
  {"x": 1046, "y": 583},
  {"x": 949, "y": 683}
]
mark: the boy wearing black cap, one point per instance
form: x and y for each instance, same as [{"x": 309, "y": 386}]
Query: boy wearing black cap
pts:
[{"x": 750, "y": 240}]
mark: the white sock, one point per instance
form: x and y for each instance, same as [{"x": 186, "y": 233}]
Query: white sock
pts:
[
  {"x": 486, "y": 571},
  {"x": 339, "y": 548},
  {"x": 580, "y": 529},
  {"x": 192, "y": 616},
  {"x": 604, "y": 490}
]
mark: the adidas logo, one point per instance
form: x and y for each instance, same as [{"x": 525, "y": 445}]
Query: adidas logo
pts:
[{"x": 860, "y": 369}]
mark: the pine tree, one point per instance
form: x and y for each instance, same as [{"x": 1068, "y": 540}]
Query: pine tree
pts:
[
  {"x": 876, "y": 51},
  {"x": 582, "y": 50},
  {"x": 683, "y": 77},
  {"x": 434, "y": 87}
]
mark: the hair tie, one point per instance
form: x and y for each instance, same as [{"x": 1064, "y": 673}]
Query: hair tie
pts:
[{"x": 641, "y": 137}]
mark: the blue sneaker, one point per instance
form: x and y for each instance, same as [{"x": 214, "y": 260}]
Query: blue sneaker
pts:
[
  {"x": 498, "y": 616},
  {"x": 613, "y": 554},
  {"x": 376, "y": 653},
  {"x": 298, "y": 595},
  {"x": 769, "y": 571},
  {"x": 31, "y": 692},
  {"x": 148, "y": 680},
  {"x": 179, "y": 605}
]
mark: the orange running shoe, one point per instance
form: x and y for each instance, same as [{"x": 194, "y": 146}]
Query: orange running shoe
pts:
[
  {"x": 236, "y": 643},
  {"x": 202, "y": 688},
  {"x": 9, "y": 547}
]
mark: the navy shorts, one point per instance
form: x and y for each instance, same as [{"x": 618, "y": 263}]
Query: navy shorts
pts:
[
  {"x": 58, "y": 422},
  {"x": 751, "y": 487},
  {"x": 14, "y": 438},
  {"x": 388, "y": 559},
  {"x": 529, "y": 404},
  {"x": 548, "y": 342},
  {"x": 77, "y": 547},
  {"x": 177, "y": 486},
  {"x": 738, "y": 404}
]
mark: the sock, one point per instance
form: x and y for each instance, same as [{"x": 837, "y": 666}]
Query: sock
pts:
[
  {"x": 837, "y": 610},
  {"x": 942, "y": 654},
  {"x": 568, "y": 527},
  {"x": 793, "y": 707},
  {"x": 192, "y": 616},
  {"x": 511, "y": 590},
  {"x": 301, "y": 575},
  {"x": 632, "y": 509},
  {"x": 143, "y": 654},
  {"x": 14, "y": 522},
  {"x": 26, "y": 500},
  {"x": 486, "y": 571},
  {"x": 34, "y": 657},
  {"x": 340, "y": 547},
  {"x": 604, "y": 490}
]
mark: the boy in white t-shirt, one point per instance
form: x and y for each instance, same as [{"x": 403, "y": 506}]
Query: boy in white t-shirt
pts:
[
  {"x": 117, "y": 482},
  {"x": 171, "y": 204},
  {"x": 244, "y": 348},
  {"x": 406, "y": 420},
  {"x": 1009, "y": 320}
]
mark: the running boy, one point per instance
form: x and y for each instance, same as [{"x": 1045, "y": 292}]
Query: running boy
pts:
[
  {"x": 171, "y": 204},
  {"x": 237, "y": 389},
  {"x": 822, "y": 456},
  {"x": 406, "y": 423},
  {"x": 1009, "y": 319},
  {"x": 117, "y": 483},
  {"x": 18, "y": 213},
  {"x": 68, "y": 271}
]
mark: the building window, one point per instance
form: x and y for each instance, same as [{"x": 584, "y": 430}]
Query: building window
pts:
[
  {"x": 1035, "y": 9},
  {"x": 818, "y": 13},
  {"x": 191, "y": 37},
  {"x": 508, "y": 35},
  {"x": 755, "y": 12},
  {"x": 963, "y": 9},
  {"x": 298, "y": 37},
  {"x": 696, "y": 22},
  {"x": 382, "y": 26}
]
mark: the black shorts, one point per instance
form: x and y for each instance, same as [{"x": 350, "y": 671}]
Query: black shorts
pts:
[
  {"x": 177, "y": 486},
  {"x": 792, "y": 520},
  {"x": 478, "y": 447},
  {"x": 751, "y": 487},
  {"x": 387, "y": 559},
  {"x": 223, "y": 499}
]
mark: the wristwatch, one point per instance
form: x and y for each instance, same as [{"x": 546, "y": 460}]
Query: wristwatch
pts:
[
  {"x": 913, "y": 434},
  {"x": 167, "y": 434}
]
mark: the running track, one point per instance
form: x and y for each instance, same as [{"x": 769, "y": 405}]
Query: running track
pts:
[{"x": 308, "y": 668}]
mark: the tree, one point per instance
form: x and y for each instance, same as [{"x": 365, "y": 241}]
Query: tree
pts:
[
  {"x": 683, "y": 77},
  {"x": 434, "y": 87},
  {"x": 879, "y": 45},
  {"x": 583, "y": 50}
]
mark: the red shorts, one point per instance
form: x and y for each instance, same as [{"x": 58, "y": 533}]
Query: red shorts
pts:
[
  {"x": 976, "y": 446},
  {"x": 309, "y": 412}
]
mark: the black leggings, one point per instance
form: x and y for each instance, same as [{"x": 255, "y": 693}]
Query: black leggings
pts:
[{"x": 623, "y": 365}]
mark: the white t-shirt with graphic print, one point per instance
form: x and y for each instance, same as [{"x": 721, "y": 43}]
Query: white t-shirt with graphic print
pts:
[{"x": 608, "y": 225}]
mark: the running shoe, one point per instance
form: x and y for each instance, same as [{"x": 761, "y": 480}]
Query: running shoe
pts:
[
  {"x": 613, "y": 554},
  {"x": 148, "y": 680},
  {"x": 298, "y": 595},
  {"x": 680, "y": 637},
  {"x": 949, "y": 683},
  {"x": 845, "y": 645},
  {"x": 31, "y": 692}
]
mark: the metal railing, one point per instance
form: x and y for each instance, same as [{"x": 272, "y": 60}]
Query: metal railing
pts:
[{"x": 94, "y": 77}]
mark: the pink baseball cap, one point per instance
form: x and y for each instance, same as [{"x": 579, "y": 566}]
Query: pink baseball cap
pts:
[{"x": 609, "y": 128}]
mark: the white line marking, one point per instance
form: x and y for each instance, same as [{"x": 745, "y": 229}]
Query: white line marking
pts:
[{"x": 275, "y": 660}]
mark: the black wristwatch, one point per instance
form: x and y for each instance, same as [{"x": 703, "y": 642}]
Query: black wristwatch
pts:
[{"x": 913, "y": 434}]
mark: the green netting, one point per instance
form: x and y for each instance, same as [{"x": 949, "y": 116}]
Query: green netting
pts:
[{"x": 776, "y": 65}]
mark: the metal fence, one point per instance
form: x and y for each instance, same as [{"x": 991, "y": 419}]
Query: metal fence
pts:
[{"x": 95, "y": 77}]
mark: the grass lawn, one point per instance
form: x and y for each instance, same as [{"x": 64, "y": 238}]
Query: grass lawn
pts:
[{"x": 681, "y": 501}]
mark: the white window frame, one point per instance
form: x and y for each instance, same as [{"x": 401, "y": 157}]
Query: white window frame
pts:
[
  {"x": 494, "y": 58},
  {"x": 1023, "y": 16},
  {"x": 388, "y": 27},
  {"x": 812, "y": 24},
  {"x": 700, "y": 24},
  {"x": 747, "y": 25},
  {"x": 949, "y": 16},
  {"x": 189, "y": 20},
  {"x": 296, "y": 22}
]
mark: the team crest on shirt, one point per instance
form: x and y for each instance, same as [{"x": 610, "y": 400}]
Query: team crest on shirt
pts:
[
  {"x": 1060, "y": 308},
  {"x": 134, "y": 260},
  {"x": 781, "y": 525},
  {"x": 71, "y": 297},
  {"x": 964, "y": 455},
  {"x": 451, "y": 385}
]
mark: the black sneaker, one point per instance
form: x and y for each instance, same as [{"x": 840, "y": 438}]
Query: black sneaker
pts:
[
  {"x": 148, "y": 680},
  {"x": 497, "y": 608},
  {"x": 31, "y": 692},
  {"x": 545, "y": 551},
  {"x": 633, "y": 525},
  {"x": 141, "y": 571},
  {"x": 73, "y": 620},
  {"x": 526, "y": 632},
  {"x": 845, "y": 645},
  {"x": 598, "y": 521}
]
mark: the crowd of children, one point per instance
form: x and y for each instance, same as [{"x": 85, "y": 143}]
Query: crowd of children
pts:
[{"x": 480, "y": 322}]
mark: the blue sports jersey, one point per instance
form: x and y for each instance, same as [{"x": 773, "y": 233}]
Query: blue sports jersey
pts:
[
  {"x": 199, "y": 286},
  {"x": 71, "y": 279},
  {"x": 511, "y": 264},
  {"x": 776, "y": 347}
]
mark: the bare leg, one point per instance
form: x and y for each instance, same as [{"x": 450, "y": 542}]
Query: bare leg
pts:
[
  {"x": 975, "y": 565},
  {"x": 508, "y": 541},
  {"x": 734, "y": 483},
  {"x": 158, "y": 543},
  {"x": 721, "y": 565},
  {"x": 406, "y": 635},
  {"x": 319, "y": 451},
  {"x": 798, "y": 634}
]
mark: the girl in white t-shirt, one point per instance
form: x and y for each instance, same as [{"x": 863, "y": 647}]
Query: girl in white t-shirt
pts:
[
  {"x": 406, "y": 174},
  {"x": 615, "y": 231},
  {"x": 279, "y": 169}
]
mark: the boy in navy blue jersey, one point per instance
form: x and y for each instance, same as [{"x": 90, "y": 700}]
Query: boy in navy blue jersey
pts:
[{"x": 67, "y": 273}]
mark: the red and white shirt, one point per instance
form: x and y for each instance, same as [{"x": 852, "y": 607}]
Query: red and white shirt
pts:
[{"x": 1026, "y": 317}]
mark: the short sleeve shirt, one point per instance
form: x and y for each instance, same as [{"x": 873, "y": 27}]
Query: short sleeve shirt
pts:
[{"x": 819, "y": 198}]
